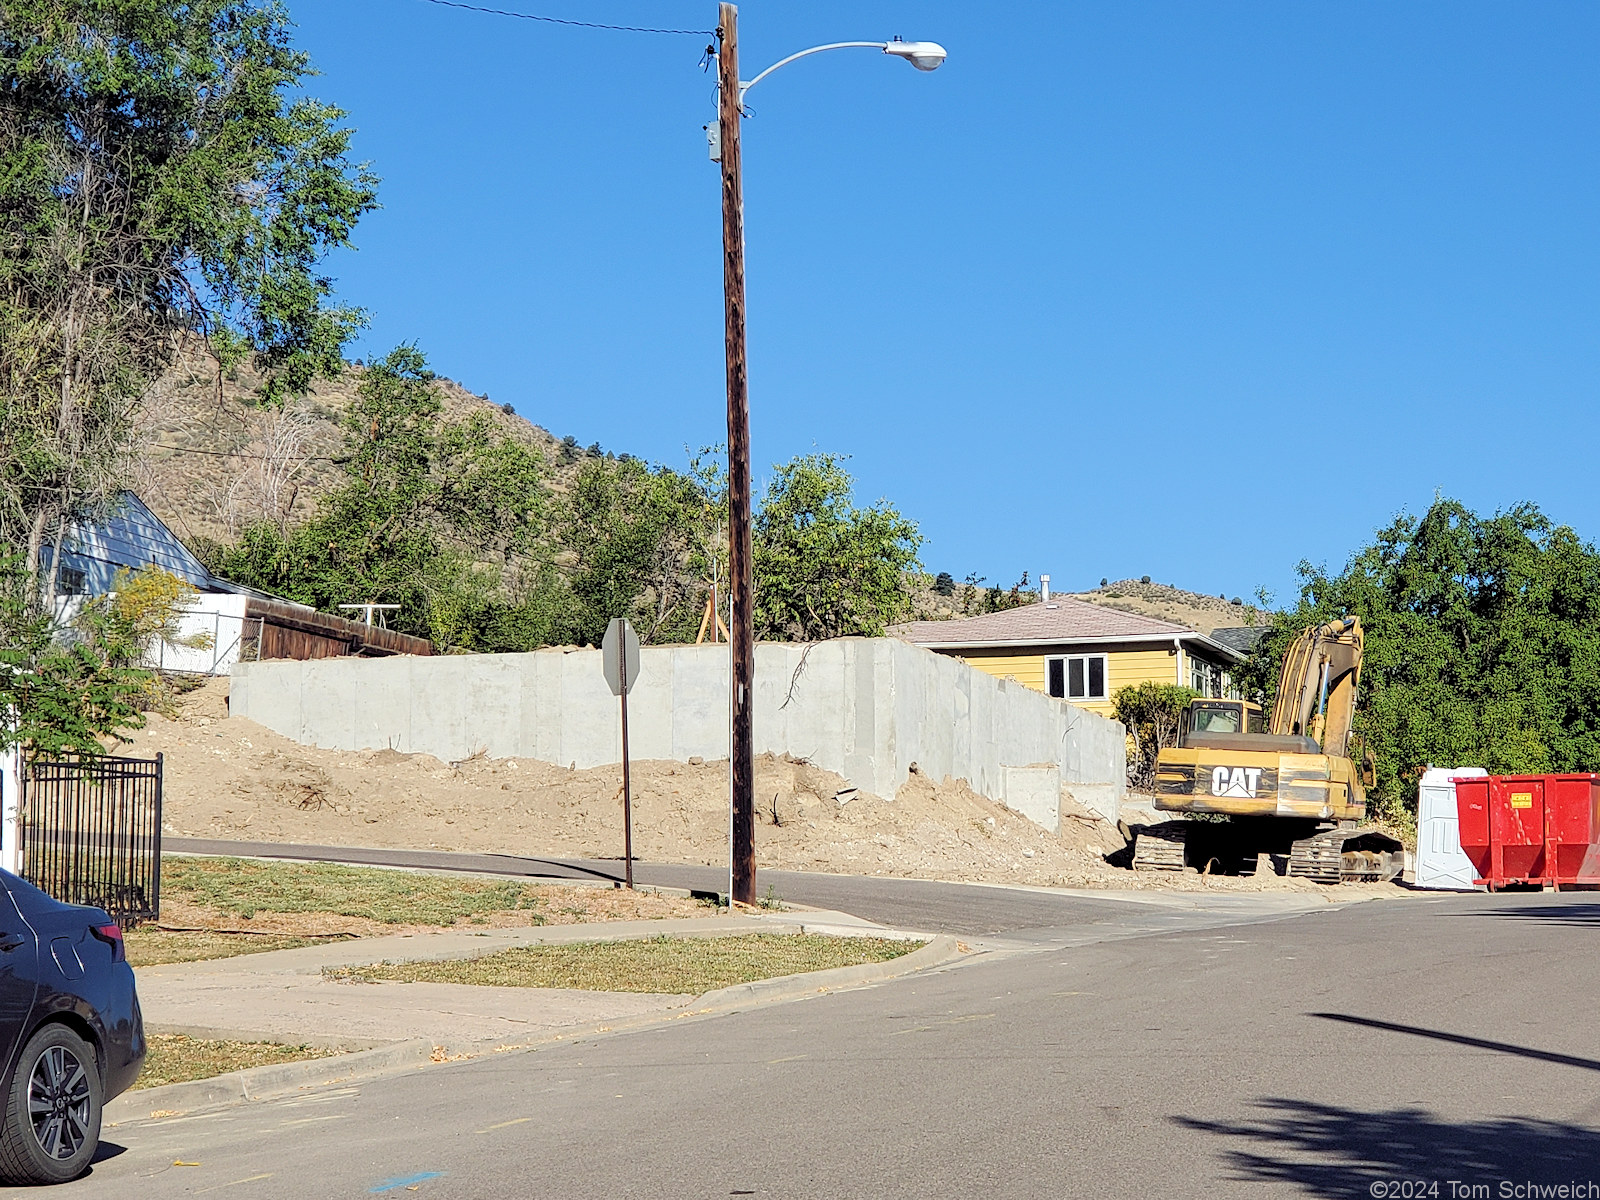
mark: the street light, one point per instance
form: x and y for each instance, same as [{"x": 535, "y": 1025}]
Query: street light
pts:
[
  {"x": 724, "y": 141},
  {"x": 924, "y": 56}
]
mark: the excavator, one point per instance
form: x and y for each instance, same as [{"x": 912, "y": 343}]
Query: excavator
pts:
[{"x": 1287, "y": 793}]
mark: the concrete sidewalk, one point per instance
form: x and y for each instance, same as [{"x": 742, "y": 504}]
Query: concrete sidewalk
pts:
[{"x": 283, "y": 995}]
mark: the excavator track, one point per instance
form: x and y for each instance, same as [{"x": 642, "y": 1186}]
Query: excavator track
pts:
[
  {"x": 1161, "y": 847},
  {"x": 1347, "y": 855},
  {"x": 1318, "y": 858}
]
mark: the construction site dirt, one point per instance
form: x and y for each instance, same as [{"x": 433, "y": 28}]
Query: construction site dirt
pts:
[{"x": 230, "y": 778}]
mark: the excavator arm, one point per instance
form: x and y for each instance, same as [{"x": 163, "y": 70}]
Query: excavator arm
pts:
[{"x": 1317, "y": 687}]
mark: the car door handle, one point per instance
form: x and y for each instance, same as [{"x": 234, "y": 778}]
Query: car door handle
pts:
[{"x": 10, "y": 941}]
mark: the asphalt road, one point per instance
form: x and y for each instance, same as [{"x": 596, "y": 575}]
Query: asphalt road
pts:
[
  {"x": 1447, "y": 1042},
  {"x": 971, "y": 910}
]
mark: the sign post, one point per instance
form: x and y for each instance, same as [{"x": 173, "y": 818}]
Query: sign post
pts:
[{"x": 619, "y": 657}]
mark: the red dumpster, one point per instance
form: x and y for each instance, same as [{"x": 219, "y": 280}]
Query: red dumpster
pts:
[
  {"x": 1572, "y": 840},
  {"x": 1535, "y": 829}
]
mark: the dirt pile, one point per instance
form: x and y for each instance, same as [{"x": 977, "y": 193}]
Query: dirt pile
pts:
[{"x": 231, "y": 778}]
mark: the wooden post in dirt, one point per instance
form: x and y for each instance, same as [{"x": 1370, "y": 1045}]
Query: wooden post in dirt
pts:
[{"x": 741, "y": 622}]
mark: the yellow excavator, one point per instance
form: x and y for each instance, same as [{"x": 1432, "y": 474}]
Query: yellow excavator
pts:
[{"x": 1290, "y": 793}]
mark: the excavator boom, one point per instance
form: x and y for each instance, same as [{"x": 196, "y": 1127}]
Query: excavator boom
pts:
[{"x": 1317, "y": 685}]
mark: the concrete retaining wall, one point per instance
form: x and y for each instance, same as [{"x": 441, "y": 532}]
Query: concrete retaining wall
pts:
[{"x": 866, "y": 708}]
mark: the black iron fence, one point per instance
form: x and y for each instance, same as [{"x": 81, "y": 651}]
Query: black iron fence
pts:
[{"x": 91, "y": 833}]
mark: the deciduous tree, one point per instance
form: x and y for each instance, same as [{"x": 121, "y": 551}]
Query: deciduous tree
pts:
[
  {"x": 1482, "y": 644},
  {"x": 162, "y": 175},
  {"x": 823, "y": 567}
]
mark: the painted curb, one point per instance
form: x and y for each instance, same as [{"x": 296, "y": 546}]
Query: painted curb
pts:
[
  {"x": 262, "y": 1083},
  {"x": 942, "y": 949}
]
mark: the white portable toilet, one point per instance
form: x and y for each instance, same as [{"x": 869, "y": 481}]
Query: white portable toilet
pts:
[{"x": 1441, "y": 863}]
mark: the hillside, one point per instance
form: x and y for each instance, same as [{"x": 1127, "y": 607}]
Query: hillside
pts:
[
  {"x": 1167, "y": 603},
  {"x": 213, "y": 460},
  {"x": 1160, "y": 600}
]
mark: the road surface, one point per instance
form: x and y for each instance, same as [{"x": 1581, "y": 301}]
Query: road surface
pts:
[
  {"x": 973, "y": 910},
  {"x": 1447, "y": 1042}
]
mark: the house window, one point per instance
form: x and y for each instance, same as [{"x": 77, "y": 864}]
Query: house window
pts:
[
  {"x": 1209, "y": 680},
  {"x": 71, "y": 583},
  {"x": 1079, "y": 677}
]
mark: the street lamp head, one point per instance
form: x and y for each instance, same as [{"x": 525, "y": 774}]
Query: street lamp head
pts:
[{"x": 924, "y": 56}]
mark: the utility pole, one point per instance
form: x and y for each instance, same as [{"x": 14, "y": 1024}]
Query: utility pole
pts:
[{"x": 741, "y": 623}]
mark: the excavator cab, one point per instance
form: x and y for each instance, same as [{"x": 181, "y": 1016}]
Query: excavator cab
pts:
[{"x": 1221, "y": 716}]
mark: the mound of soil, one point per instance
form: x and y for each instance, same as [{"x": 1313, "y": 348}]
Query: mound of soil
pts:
[{"x": 227, "y": 777}]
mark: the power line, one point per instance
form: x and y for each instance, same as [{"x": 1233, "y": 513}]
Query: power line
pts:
[
  {"x": 235, "y": 453},
  {"x": 502, "y": 12}
]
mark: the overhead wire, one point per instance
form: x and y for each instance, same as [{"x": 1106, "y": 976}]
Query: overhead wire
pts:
[
  {"x": 238, "y": 453},
  {"x": 505, "y": 12}
]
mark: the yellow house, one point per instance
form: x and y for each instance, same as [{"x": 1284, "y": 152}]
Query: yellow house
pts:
[{"x": 1079, "y": 651}]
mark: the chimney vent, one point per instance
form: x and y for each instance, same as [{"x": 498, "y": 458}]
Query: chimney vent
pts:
[{"x": 1044, "y": 587}]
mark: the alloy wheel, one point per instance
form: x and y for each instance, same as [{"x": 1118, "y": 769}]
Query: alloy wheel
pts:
[{"x": 58, "y": 1102}]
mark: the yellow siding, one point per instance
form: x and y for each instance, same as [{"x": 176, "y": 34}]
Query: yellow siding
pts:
[
  {"x": 1027, "y": 669},
  {"x": 1123, "y": 668},
  {"x": 1140, "y": 666}
]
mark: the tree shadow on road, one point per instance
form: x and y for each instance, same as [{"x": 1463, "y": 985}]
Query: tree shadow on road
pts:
[
  {"x": 1331, "y": 1151},
  {"x": 1553, "y": 913}
]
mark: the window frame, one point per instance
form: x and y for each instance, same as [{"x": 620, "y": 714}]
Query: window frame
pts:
[{"x": 1066, "y": 676}]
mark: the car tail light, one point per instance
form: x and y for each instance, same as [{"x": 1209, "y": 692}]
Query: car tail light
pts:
[{"x": 111, "y": 935}]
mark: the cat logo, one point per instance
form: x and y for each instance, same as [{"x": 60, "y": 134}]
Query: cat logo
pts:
[{"x": 1235, "y": 781}]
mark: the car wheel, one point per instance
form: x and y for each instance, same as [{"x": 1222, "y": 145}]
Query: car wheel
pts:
[{"x": 52, "y": 1119}]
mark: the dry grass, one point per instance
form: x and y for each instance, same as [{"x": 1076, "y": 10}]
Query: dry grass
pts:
[
  {"x": 678, "y": 966},
  {"x": 175, "y": 1058},
  {"x": 242, "y": 888},
  {"x": 220, "y": 907},
  {"x": 150, "y": 945}
]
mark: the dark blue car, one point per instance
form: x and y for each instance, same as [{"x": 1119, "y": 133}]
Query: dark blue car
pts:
[{"x": 71, "y": 1035}]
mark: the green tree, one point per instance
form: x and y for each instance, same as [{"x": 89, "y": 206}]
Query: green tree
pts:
[
  {"x": 998, "y": 599},
  {"x": 1152, "y": 713},
  {"x": 72, "y": 689},
  {"x": 823, "y": 567},
  {"x": 161, "y": 173},
  {"x": 1482, "y": 644},
  {"x": 634, "y": 538},
  {"x": 431, "y": 517}
]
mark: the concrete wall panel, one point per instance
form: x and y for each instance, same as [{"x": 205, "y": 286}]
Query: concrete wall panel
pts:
[{"x": 867, "y": 708}]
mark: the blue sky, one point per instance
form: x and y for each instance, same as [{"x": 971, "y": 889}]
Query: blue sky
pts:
[{"x": 1192, "y": 289}]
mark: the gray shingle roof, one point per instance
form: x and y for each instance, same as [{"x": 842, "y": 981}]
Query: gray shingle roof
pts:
[{"x": 1241, "y": 638}]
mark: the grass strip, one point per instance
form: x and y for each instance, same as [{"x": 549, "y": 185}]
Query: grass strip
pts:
[
  {"x": 149, "y": 946},
  {"x": 661, "y": 964},
  {"x": 176, "y": 1058},
  {"x": 244, "y": 888}
]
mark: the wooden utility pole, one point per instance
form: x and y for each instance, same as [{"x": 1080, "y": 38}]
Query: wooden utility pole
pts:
[{"x": 741, "y": 631}]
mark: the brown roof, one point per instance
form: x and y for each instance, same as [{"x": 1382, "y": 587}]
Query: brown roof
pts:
[{"x": 1058, "y": 620}]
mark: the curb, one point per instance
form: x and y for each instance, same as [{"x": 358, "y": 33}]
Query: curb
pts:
[
  {"x": 942, "y": 949},
  {"x": 261, "y": 1083}
]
